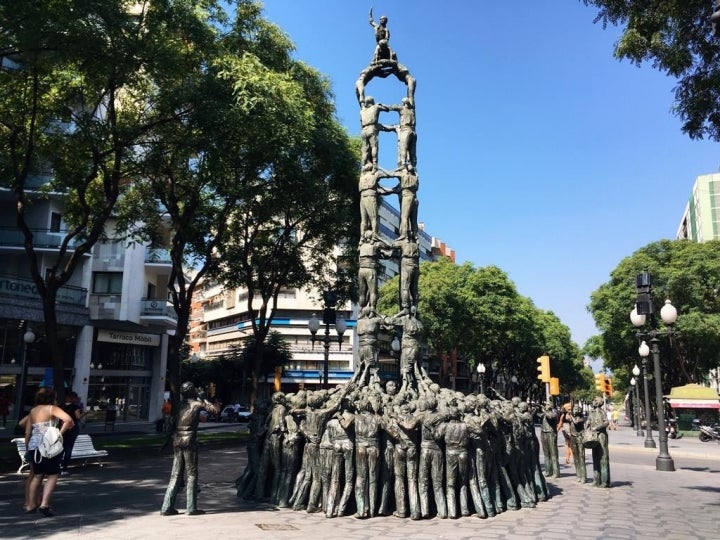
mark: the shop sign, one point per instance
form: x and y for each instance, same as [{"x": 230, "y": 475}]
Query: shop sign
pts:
[{"x": 129, "y": 338}]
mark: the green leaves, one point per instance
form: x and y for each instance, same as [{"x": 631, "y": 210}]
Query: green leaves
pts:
[
  {"x": 687, "y": 273},
  {"x": 478, "y": 314},
  {"x": 676, "y": 37}
]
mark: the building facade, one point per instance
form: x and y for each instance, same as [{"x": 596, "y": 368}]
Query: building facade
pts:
[
  {"x": 700, "y": 221},
  {"x": 114, "y": 317}
]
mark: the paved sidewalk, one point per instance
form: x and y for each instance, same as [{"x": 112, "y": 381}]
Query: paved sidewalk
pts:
[{"x": 122, "y": 501}]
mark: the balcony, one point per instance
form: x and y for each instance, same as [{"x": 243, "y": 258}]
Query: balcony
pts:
[
  {"x": 43, "y": 239},
  {"x": 158, "y": 257},
  {"x": 25, "y": 288},
  {"x": 157, "y": 310}
]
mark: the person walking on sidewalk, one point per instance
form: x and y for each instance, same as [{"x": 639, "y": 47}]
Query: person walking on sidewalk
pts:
[{"x": 40, "y": 418}]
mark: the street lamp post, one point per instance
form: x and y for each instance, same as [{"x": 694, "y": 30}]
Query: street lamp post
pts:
[
  {"x": 636, "y": 400},
  {"x": 27, "y": 338},
  {"x": 329, "y": 317},
  {"x": 481, "y": 376},
  {"x": 668, "y": 314}
]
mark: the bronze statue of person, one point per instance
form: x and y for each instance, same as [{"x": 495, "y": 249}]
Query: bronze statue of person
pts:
[
  {"x": 317, "y": 414},
  {"x": 576, "y": 425},
  {"x": 368, "y": 326},
  {"x": 407, "y": 188},
  {"x": 410, "y": 346},
  {"x": 455, "y": 435},
  {"x": 247, "y": 482},
  {"x": 369, "y": 127},
  {"x": 290, "y": 458},
  {"x": 343, "y": 467},
  {"x": 371, "y": 249},
  {"x": 597, "y": 421},
  {"x": 530, "y": 453},
  {"x": 431, "y": 458},
  {"x": 382, "y": 38},
  {"x": 548, "y": 438},
  {"x": 185, "y": 449},
  {"x": 405, "y": 129},
  {"x": 368, "y": 424},
  {"x": 270, "y": 460},
  {"x": 369, "y": 188},
  {"x": 404, "y": 429},
  {"x": 482, "y": 464},
  {"x": 409, "y": 273}
]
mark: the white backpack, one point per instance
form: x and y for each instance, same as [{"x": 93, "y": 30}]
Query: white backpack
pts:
[{"x": 52, "y": 442}]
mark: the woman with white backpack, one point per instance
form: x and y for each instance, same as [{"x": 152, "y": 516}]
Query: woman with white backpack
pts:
[{"x": 41, "y": 423}]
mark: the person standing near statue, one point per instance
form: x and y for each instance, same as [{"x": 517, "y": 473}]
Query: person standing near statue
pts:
[
  {"x": 597, "y": 422},
  {"x": 185, "y": 449}
]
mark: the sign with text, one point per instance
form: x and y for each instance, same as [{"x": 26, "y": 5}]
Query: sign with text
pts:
[{"x": 128, "y": 338}]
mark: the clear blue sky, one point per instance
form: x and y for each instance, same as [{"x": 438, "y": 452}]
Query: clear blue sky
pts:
[{"x": 538, "y": 151}]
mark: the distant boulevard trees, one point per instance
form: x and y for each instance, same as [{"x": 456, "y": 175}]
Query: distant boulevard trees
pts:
[
  {"x": 687, "y": 273},
  {"x": 478, "y": 315}
]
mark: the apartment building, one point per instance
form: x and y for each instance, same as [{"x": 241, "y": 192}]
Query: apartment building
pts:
[
  {"x": 700, "y": 221},
  {"x": 113, "y": 315}
]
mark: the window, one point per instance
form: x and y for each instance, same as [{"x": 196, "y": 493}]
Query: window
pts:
[
  {"x": 55, "y": 221},
  {"x": 107, "y": 282}
]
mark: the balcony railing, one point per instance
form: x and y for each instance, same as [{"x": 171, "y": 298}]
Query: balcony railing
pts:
[
  {"x": 42, "y": 238},
  {"x": 157, "y": 307},
  {"x": 158, "y": 256},
  {"x": 26, "y": 288}
]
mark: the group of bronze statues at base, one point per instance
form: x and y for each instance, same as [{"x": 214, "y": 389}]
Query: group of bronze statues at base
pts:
[{"x": 424, "y": 452}]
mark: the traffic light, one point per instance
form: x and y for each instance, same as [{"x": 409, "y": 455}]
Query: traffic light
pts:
[
  {"x": 608, "y": 386},
  {"x": 600, "y": 382},
  {"x": 544, "y": 368},
  {"x": 554, "y": 386}
]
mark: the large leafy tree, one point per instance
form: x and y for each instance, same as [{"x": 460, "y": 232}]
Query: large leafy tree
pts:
[
  {"x": 256, "y": 183},
  {"x": 478, "y": 315},
  {"x": 78, "y": 88},
  {"x": 677, "y": 38},
  {"x": 687, "y": 273}
]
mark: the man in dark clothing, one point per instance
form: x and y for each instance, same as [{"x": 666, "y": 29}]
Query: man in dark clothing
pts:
[{"x": 71, "y": 407}]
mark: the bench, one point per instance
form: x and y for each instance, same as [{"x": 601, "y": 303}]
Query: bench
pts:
[{"x": 83, "y": 449}]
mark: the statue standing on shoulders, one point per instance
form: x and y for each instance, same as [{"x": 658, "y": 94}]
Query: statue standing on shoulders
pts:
[
  {"x": 370, "y": 125},
  {"x": 407, "y": 188},
  {"x": 382, "y": 38},
  {"x": 185, "y": 449},
  {"x": 368, "y": 326},
  {"x": 407, "y": 136},
  {"x": 371, "y": 250}
]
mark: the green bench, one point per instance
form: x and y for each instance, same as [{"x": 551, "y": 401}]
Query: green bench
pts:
[{"x": 83, "y": 449}]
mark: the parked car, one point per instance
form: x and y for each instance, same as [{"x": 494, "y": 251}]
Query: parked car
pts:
[
  {"x": 243, "y": 414},
  {"x": 228, "y": 414}
]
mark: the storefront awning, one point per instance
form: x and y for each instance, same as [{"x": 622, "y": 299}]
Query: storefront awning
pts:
[{"x": 693, "y": 396}]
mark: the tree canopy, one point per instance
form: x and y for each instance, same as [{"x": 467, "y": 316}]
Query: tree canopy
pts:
[
  {"x": 676, "y": 37},
  {"x": 478, "y": 315},
  {"x": 687, "y": 273}
]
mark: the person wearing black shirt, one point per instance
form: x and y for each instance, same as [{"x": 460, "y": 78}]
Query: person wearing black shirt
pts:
[{"x": 73, "y": 410}]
